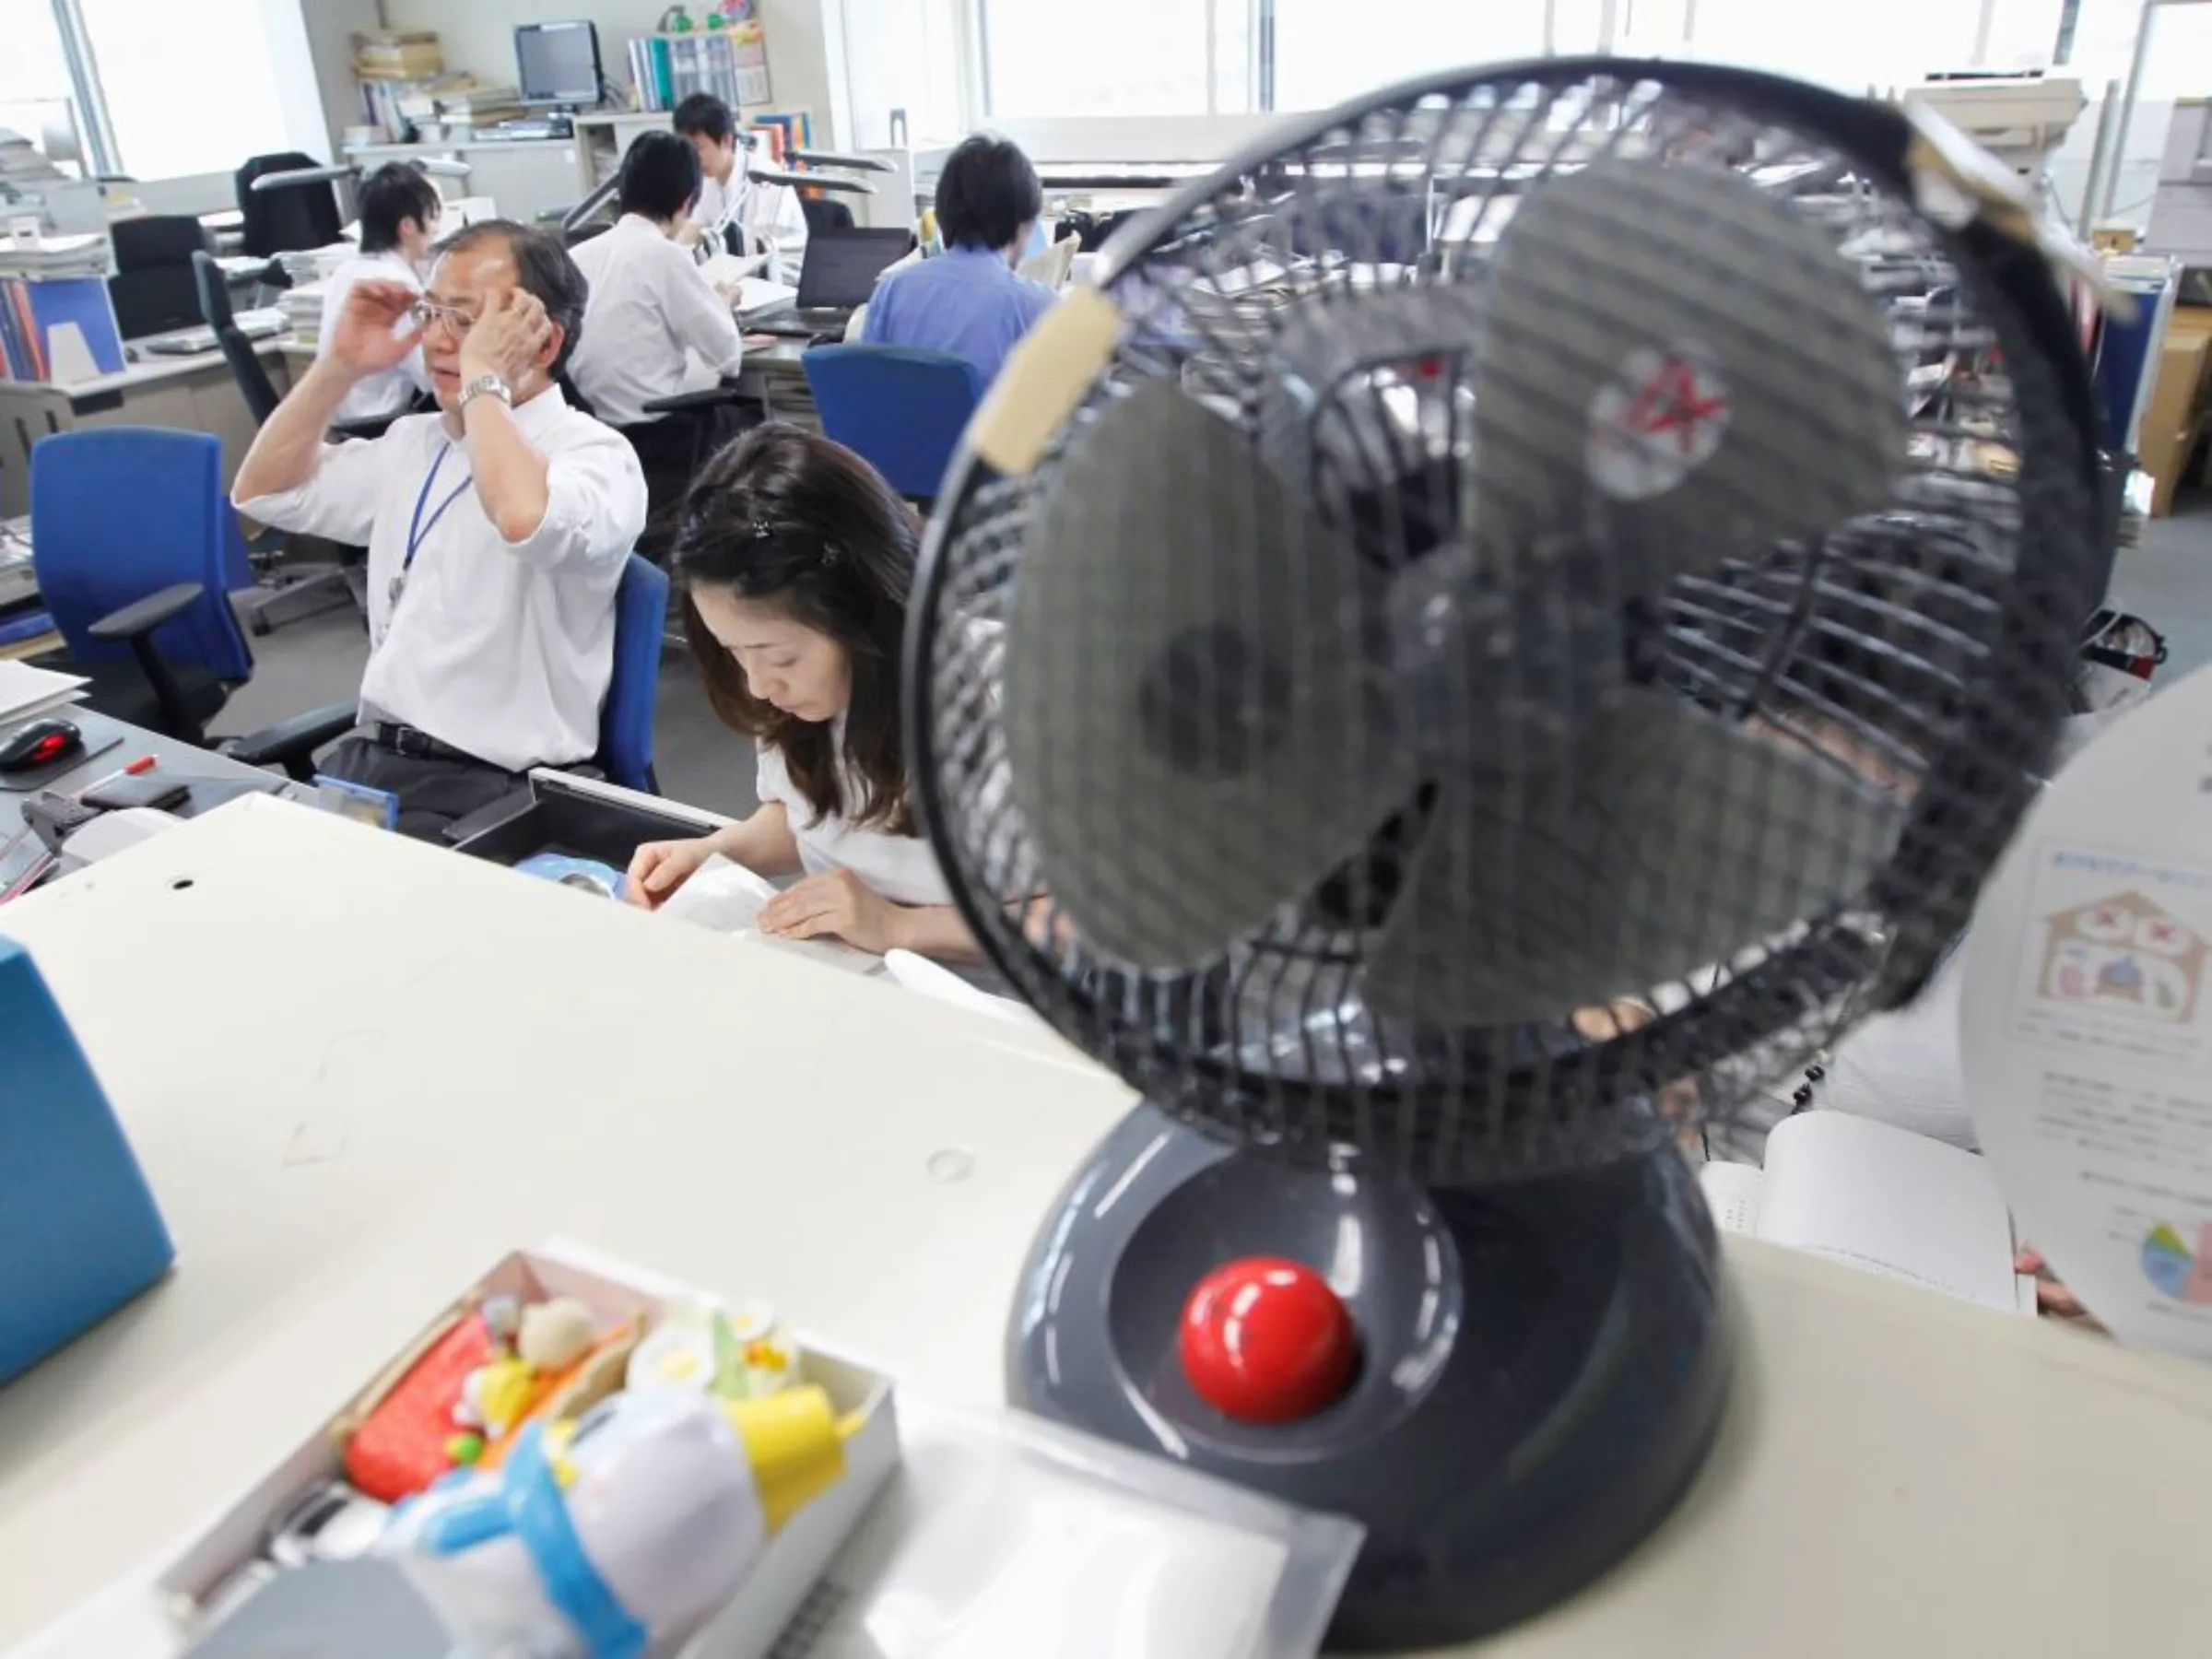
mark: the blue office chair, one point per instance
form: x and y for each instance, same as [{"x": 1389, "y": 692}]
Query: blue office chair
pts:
[
  {"x": 625, "y": 754},
  {"x": 625, "y": 718},
  {"x": 137, "y": 549},
  {"x": 900, "y": 410}
]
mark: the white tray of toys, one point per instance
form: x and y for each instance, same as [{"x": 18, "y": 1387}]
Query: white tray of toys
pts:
[{"x": 999, "y": 1529}]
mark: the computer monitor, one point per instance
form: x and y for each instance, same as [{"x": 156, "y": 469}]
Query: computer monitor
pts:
[
  {"x": 840, "y": 267},
  {"x": 557, "y": 63}
]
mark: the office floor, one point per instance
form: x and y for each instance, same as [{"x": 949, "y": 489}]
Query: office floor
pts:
[{"x": 2167, "y": 580}]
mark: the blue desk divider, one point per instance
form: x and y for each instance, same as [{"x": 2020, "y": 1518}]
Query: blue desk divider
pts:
[{"x": 80, "y": 1235}]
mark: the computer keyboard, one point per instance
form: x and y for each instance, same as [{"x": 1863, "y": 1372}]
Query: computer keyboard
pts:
[
  {"x": 802, "y": 326},
  {"x": 191, "y": 342}
]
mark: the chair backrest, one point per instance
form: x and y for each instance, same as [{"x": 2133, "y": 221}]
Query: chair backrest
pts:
[
  {"x": 901, "y": 409},
  {"x": 246, "y": 369},
  {"x": 278, "y": 221},
  {"x": 825, "y": 213},
  {"x": 152, "y": 289},
  {"x": 625, "y": 718},
  {"x": 120, "y": 512}
]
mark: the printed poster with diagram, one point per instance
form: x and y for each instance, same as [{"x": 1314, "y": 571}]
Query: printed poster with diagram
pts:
[{"x": 2086, "y": 1023}]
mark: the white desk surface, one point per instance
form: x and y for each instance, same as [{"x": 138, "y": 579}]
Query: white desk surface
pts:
[
  {"x": 152, "y": 368},
  {"x": 357, "y": 1069}
]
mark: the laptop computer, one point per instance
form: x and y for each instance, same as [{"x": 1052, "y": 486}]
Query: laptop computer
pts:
[{"x": 835, "y": 280}]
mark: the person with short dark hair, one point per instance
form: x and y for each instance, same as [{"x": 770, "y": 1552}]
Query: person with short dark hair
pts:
[
  {"x": 497, "y": 528},
  {"x": 767, "y": 218},
  {"x": 400, "y": 211},
  {"x": 796, "y": 562},
  {"x": 651, "y": 309},
  {"x": 969, "y": 300}
]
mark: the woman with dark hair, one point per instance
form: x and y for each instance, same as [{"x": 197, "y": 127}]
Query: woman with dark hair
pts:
[{"x": 795, "y": 559}]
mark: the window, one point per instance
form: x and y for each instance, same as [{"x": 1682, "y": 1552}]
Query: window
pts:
[
  {"x": 34, "y": 73},
  {"x": 1326, "y": 52},
  {"x": 187, "y": 90},
  {"x": 1886, "y": 44},
  {"x": 1140, "y": 57}
]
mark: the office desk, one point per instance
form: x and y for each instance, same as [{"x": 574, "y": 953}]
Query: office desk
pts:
[
  {"x": 193, "y": 393},
  {"x": 772, "y": 375},
  {"x": 357, "y": 1069},
  {"x": 167, "y": 752},
  {"x": 776, "y": 377}
]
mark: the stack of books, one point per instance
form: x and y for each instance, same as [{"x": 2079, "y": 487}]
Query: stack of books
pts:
[
  {"x": 56, "y": 323},
  {"x": 731, "y": 64},
  {"x": 397, "y": 54}
]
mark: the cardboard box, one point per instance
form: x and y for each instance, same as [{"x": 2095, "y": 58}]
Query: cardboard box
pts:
[{"x": 745, "y": 1629}]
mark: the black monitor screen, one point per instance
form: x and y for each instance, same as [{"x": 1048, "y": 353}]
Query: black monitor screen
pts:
[
  {"x": 558, "y": 62},
  {"x": 840, "y": 267}
]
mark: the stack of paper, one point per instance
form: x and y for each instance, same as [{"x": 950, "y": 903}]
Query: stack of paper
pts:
[
  {"x": 27, "y": 693},
  {"x": 22, "y": 162},
  {"x": 302, "y": 309},
  {"x": 54, "y": 257}
]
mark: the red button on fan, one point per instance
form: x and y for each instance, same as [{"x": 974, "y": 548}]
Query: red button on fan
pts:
[{"x": 1266, "y": 1341}]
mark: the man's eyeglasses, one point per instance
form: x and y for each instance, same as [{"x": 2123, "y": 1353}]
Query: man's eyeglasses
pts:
[{"x": 428, "y": 314}]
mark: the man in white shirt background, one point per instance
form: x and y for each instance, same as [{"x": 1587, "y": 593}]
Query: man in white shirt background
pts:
[
  {"x": 767, "y": 217},
  {"x": 497, "y": 528},
  {"x": 400, "y": 210},
  {"x": 651, "y": 309}
]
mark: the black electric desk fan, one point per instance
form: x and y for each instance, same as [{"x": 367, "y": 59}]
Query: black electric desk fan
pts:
[{"x": 1447, "y": 731}]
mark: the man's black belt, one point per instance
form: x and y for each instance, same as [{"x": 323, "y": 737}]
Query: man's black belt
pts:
[{"x": 421, "y": 745}]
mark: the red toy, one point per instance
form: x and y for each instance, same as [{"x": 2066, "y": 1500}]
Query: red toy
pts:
[
  {"x": 1265, "y": 1340},
  {"x": 399, "y": 1445}
]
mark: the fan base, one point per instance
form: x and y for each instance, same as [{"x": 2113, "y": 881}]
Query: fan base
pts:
[{"x": 1543, "y": 1365}]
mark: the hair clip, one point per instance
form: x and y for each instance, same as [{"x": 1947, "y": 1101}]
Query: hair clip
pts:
[
  {"x": 762, "y": 532},
  {"x": 830, "y": 553}
]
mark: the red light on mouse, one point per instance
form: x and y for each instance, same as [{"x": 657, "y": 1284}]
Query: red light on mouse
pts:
[{"x": 48, "y": 747}]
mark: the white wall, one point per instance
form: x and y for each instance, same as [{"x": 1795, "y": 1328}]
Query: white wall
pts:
[
  {"x": 478, "y": 36},
  {"x": 902, "y": 54}
]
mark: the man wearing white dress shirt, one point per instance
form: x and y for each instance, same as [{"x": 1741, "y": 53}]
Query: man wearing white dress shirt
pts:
[
  {"x": 400, "y": 210},
  {"x": 766, "y": 216},
  {"x": 497, "y": 528},
  {"x": 651, "y": 309}
]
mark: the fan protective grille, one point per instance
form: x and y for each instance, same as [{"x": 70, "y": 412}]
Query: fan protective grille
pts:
[{"x": 1920, "y": 648}]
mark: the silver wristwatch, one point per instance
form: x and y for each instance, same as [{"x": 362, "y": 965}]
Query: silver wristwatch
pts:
[{"x": 487, "y": 385}]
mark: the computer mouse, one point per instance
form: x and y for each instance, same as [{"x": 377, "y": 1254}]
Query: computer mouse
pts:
[{"x": 42, "y": 743}]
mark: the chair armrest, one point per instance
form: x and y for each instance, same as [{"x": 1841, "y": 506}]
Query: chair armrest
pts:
[
  {"x": 142, "y": 616},
  {"x": 291, "y": 743},
  {"x": 710, "y": 397}
]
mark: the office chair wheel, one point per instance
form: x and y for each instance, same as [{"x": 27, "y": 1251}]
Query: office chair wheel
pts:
[{"x": 259, "y": 625}]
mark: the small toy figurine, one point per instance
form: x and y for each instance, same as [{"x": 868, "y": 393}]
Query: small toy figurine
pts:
[
  {"x": 622, "y": 1527},
  {"x": 554, "y": 1335},
  {"x": 495, "y": 1398}
]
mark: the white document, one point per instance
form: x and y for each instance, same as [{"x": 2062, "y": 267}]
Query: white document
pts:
[
  {"x": 2086, "y": 1023},
  {"x": 727, "y": 898},
  {"x": 1880, "y": 1198},
  {"x": 27, "y": 693}
]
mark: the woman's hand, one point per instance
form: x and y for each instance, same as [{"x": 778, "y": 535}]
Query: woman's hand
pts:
[
  {"x": 836, "y": 901},
  {"x": 658, "y": 869},
  {"x": 508, "y": 339},
  {"x": 368, "y": 338}
]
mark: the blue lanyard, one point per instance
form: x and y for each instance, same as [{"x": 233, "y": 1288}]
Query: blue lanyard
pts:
[{"x": 416, "y": 530}]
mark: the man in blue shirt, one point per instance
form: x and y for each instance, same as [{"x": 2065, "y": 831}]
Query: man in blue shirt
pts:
[{"x": 968, "y": 301}]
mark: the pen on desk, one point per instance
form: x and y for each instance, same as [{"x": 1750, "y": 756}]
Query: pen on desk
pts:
[{"x": 145, "y": 763}]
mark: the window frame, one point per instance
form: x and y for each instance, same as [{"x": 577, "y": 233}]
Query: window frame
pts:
[{"x": 1212, "y": 135}]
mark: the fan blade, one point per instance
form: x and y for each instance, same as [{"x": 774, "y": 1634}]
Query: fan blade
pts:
[
  {"x": 1679, "y": 369},
  {"x": 1672, "y": 840},
  {"x": 1195, "y": 730}
]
